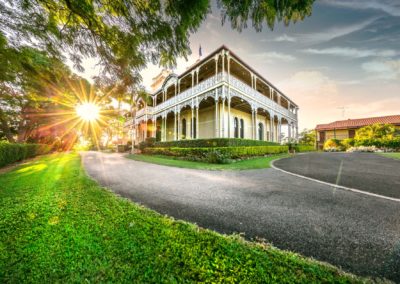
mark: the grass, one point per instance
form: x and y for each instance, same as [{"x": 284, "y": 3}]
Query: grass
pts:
[
  {"x": 253, "y": 163},
  {"x": 57, "y": 225},
  {"x": 391, "y": 155}
]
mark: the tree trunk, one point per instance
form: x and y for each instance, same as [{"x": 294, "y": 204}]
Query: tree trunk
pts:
[{"x": 5, "y": 128}]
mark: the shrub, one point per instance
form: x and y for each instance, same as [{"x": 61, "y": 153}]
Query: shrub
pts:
[
  {"x": 149, "y": 142},
  {"x": 384, "y": 143},
  {"x": 303, "y": 148},
  {"x": 213, "y": 142},
  {"x": 348, "y": 143},
  {"x": 333, "y": 145},
  {"x": 10, "y": 152},
  {"x": 294, "y": 147},
  {"x": 216, "y": 154}
]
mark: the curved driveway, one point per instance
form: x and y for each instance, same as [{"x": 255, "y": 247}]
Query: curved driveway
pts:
[
  {"x": 364, "y": 171},
  {"x": 357, "y": 232}
]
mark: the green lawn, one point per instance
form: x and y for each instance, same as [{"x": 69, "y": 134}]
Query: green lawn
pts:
[
  {"x": 254, "y": 163},
  {"x": 391, "y": 155},
  {"x": 57, "y": 225}
]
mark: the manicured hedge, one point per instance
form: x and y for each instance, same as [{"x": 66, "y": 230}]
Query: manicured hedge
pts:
[
  {"x": 213, "y": 142},
  {"x": 10, "y": 152},
  {"x": 216, "y": 154},
  {"x": 303, "y": 148}
]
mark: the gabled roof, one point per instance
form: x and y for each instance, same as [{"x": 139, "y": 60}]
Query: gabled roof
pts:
[{"x": 356, "y": 123}]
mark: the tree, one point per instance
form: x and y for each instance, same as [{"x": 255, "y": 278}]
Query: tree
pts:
[
  {"x": 307, "y": 137},
  {"x": 377, "y": 131},
  {"x": 125, "y": 35},
  {"x": 38, "y": 95}
]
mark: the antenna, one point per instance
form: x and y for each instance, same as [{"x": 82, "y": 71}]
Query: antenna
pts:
[{"x": 343, "y": 108}]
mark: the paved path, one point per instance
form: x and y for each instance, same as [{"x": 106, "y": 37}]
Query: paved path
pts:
[
  {"x": 364, "y": 171},
  {"x": 357, "y": 232}
]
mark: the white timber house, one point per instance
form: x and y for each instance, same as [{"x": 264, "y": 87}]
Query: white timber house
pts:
[{"x": 219, "y": 96}]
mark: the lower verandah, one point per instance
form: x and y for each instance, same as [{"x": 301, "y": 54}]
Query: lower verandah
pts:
[{"x": 212, "y": 121}]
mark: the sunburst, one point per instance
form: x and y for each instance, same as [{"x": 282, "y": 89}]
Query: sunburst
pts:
[{"x": 77, "y": 113}]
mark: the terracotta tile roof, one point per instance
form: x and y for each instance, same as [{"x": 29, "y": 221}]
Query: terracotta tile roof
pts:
[{"x": 356, "y": 123}]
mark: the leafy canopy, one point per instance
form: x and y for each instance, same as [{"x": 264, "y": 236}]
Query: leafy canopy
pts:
[{"x": 127, "y": 34}]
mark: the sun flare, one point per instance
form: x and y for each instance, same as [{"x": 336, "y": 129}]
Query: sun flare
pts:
[{"x": 88, "y": 111}]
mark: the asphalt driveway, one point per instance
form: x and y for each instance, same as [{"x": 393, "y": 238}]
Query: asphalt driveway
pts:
[
  {"x": 357, "y": 232},
  {"x": 364, "y": 171}
]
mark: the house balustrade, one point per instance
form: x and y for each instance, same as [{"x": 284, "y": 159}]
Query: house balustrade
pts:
[{"x": 253, "y": 96}]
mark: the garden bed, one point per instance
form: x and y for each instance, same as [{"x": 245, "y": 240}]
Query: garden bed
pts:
[{"x": 217, "y": 155}]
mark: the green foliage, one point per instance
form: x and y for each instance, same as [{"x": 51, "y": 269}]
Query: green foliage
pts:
[
  {"x": 333, "y": 145},
  {"x": 379, "y": 135},
  {"x": 213, "y": 142},
  {"x": 393, "y": 143},
  {"x": 303, "y": 148},
  {"x": 264, "y": 11},
  {"x": 244, "y": 164},
  {"x": 348, "y": 143},
  {"x": 126, "y": 34},
  {"x": 376, "y": 131},
  {"x": 384, "y": 136},
  {"x": 10, "y": 152},
  {"x": 58, "y": 225},
  {"x": 307, "y": 137},
  {"x": 218, "y": 155},
  {"x": 38, "y": 90},
  {"x": 149, "y": 142}
]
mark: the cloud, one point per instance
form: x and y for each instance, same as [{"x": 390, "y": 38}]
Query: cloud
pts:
[
  {"x": 390, "y": 7},
  {"x": 281, "y": 38},
  {"x": 316, "y": 94},
  {"x": 274, "y": 56},
  {"x": 387, "y": 70},
  {"x": 310, "y": 85},
  {"x": 353, "y": 52},
  {"x": 320, "y": 98},
  {"x": 332, "y": 33},
  {"x": 377, "y": 107}
]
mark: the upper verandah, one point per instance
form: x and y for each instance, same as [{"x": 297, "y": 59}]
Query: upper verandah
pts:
[{"x": 217, "y": 62}]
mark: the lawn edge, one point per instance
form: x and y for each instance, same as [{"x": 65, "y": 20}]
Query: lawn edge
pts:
[{"x": 284, "y": 155}]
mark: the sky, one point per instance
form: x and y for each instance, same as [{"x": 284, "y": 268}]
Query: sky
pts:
[{"x": 341, "y": 62}]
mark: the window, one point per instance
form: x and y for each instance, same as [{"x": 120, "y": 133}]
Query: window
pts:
[
  {"x": 183, "y": 128},
  {"x": 260, "y": 131},
  {"x": 352, "y": 133},
  {"x": 241, "y": 128},
  {"x": 236, "y": 127}
]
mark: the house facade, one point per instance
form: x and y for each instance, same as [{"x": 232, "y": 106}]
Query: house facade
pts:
[
  {"x": 344, "y": 129},
  {"x": 218, "y": 96}
]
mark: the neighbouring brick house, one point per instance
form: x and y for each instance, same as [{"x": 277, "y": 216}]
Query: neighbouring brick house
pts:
[{"x": 343, "y": 129}]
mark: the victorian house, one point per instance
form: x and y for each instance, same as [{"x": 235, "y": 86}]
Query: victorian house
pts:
[{"x": 218, "y": 96}]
